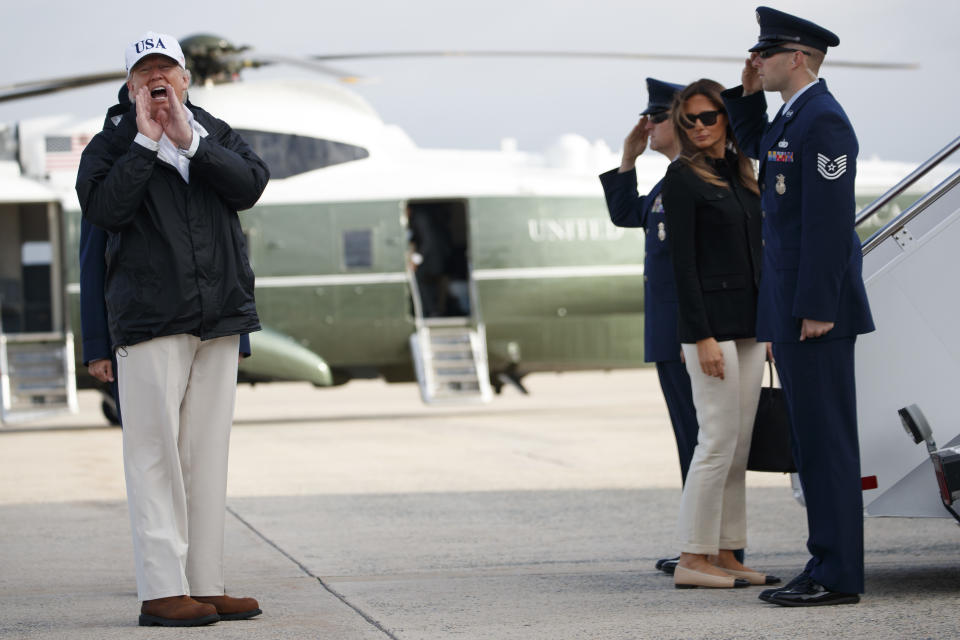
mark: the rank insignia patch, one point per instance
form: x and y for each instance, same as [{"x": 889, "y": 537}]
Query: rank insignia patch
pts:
[
  {"x": 779, "y": 156},
  {"x": 831, "y": 169}
]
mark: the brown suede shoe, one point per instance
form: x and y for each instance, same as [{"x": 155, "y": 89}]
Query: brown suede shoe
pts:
[
  {"x": 176, "y": 611},
  {"x": 230, "y": 608}
]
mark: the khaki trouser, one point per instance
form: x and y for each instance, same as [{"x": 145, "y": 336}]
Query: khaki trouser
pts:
[
  {"x": 713, "y": 509},
  {"x": 177, "y": 397}
]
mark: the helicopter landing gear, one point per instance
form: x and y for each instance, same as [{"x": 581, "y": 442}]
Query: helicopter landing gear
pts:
[
  {"x": 511, "y": 377},
  {"x": 109, "y": 408}
]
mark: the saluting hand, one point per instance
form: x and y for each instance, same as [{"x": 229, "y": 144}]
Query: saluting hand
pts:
[
  {"x": 634, "y": 144},
  {"x": 146, "y": 122},
  {"x": 813, "y": 328},
  {"x": 174, "y": 121},
  {"x": 711, "y": 357},
  {"x": 749, "y": 77}
]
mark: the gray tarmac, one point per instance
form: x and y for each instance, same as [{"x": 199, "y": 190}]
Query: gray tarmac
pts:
[{"x": 359, "y": 513}]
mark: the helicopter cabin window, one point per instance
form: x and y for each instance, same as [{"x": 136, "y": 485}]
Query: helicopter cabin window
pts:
[
  {"x": 289, "y": 155},
  {"x": 357, "y": 249}
]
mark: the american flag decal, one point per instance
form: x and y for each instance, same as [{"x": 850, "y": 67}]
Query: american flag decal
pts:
[
  {"x": 831, "y": 169},
  {"x": 63, "y": 152}
]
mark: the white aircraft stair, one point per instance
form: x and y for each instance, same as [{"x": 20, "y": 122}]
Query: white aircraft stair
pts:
[
  {"x": 450, "y": 357},
  {"x": 36, "y": 376},
  {"x": 910, "y": 268}
]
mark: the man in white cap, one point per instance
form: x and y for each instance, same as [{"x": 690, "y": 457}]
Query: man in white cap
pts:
[{"x": 165, "y": 179}]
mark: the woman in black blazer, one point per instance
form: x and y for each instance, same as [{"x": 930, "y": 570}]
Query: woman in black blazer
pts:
[{"x": 712, "y": 206}]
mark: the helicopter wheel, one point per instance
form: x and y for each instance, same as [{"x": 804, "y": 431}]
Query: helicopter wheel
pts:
[
  {"x": 512, "y": 377},
  {"x": 109, "y": 409}
]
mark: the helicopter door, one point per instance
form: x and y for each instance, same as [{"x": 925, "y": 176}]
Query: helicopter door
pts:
[
  {"x": 36, "y": 349},
  {"x": 439, "y": 258},
  {"x": 449, "y": 346}
]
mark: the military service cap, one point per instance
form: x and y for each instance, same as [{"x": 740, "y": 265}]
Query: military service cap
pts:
[
  {"x": 659, "y": 96},
  {"x": 779, "y": 28}
]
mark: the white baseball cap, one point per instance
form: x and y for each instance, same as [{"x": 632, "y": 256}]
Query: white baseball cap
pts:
[{"x": 150, "y": 43}]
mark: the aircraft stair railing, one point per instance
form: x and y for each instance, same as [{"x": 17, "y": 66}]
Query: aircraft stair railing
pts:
[
  {"x": 450, "y": 354},
  {"x": 892, "y": 227}
]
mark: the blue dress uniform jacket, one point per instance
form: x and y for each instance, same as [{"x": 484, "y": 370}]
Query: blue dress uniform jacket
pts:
[
  {"x": 93, "y": 306},
  {"x": 812, "y": 258},
  {"x": 813, "y": 269},
  {"x": 660, "y": 341}
]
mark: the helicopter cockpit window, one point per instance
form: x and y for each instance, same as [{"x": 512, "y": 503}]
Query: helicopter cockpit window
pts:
[
  {"x": 288, "y": 154},
  {"x": 357, "y": 249}
]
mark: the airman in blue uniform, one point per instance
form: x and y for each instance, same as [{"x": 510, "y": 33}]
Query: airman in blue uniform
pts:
[
  {"x": 661, "y": 343},
  {"x": 812, "y": 302}
]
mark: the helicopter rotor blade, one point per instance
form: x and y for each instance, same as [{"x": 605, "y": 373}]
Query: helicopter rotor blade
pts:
[
  {"x": 22, "y": 90},
  {"x": 609, "y": 55},
  {"x": 306, "y": 63},
  {"x": 42, "y": 87}
]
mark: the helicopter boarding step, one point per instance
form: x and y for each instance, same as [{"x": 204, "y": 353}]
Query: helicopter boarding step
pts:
[
  {"x": 451, "y": 361},
  {"x": 36, "y": 376}
]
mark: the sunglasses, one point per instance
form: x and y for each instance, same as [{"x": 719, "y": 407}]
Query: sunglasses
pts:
[
  {"x": 708, "y": 118},
  {"x": 660, "y": 116},
  {"x": 772, "y": 51}
]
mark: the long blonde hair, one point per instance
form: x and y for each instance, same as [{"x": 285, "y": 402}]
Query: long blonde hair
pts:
[{"x": 695, "y": 158}]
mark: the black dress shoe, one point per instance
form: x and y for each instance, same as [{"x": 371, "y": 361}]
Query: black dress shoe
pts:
[
  {"x": 803, "y": 576},
  {"x": 811, "y": 593},
  {"x": 667, "y": 565}
]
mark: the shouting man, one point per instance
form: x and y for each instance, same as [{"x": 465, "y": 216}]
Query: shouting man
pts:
[{"x": 165, "y": 180}]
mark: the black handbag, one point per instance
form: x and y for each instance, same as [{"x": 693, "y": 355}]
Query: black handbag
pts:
[{"x": 770, "y": 444}]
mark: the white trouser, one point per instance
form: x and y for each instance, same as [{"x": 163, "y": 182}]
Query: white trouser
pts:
[
  {"x": 177, "y": 396},
  {"x": 713, "y": 509}
]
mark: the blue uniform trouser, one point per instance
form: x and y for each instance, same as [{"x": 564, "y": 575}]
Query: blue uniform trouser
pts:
[
  {"x": 819, "y": 385},
  {"x": 675, "y": 383}
]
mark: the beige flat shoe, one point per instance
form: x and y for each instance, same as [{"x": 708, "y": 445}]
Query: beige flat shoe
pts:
[
  {"x": 753, "y": 577},
  {"x": 684, "y": 578}
]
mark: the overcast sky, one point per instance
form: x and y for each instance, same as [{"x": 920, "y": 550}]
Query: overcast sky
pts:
[{"x": 463, "y": 103}]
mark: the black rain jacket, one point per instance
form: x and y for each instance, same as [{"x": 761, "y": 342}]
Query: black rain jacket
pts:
[{"x": 176, "y": 256}]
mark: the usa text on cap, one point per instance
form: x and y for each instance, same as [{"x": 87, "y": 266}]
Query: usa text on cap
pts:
[
  {"x": 777, "y": 28},
  {"x": 152, "y": 43}
]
